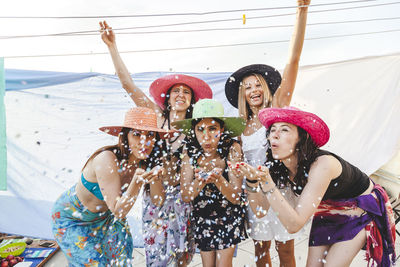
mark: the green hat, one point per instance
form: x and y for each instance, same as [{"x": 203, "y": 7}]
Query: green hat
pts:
[{"x": 210, "y": 108}]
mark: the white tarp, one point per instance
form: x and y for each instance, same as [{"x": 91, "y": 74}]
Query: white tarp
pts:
[{"x": 52, "y": 130}]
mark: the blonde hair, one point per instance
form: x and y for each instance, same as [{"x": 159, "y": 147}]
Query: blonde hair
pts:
[{"x": 244, "y": 108}]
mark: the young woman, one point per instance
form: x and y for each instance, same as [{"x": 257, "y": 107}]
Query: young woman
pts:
[
  {"x": 216, "y": 194},
  {"x": 251, "y": 89},
  {"x": 165, "y": 228},
  {"x": 89, "y": 219},
  {"x": 350, "y": 211}
]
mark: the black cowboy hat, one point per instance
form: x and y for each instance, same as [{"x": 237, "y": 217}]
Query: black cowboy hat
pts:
[{"x": 270, "y": 74}]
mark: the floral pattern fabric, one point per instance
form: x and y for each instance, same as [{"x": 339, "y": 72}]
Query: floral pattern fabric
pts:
[
  {"x": 87, "y": 238},
  {"x": 166, "y": 229}
]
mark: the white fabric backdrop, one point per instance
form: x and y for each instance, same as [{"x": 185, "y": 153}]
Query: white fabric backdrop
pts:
[{"x": 52, "y": 130}]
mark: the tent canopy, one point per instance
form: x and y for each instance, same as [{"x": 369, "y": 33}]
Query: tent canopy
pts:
[{"x": 52, "y": 122}]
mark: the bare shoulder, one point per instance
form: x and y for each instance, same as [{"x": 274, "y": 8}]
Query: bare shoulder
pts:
[
  {"x": 105, "y": 157},
  {"x": 327, "y": 164}
]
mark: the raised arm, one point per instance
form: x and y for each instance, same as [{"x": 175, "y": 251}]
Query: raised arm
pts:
[
  {"x": 106, "y": 169},
  {"x": 284, "y": 93},
  {"x": 137, "y": 95}
]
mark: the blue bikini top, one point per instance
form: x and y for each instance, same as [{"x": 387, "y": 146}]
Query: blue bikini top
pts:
[{"x": 92, "y": 187}]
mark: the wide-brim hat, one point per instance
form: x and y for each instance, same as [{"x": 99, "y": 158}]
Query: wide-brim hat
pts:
[
  {"x": 209, "y": 108},
  {"x": 311, "y": 123},
  {"x": 159, "y": 88},
  {"x": 270, "y": 75},
  {"x": 139, "y": 118}
]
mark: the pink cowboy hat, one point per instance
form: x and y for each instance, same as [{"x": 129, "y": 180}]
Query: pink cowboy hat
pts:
[
  {"x": 139, "y": 118},
  {"x": 159, "y": 88},
  {"x": 311, "y": 123}
]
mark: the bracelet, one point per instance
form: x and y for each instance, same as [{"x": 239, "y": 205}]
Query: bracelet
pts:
[
  {"x": 251, "y": 189},
  {"x": 269, "y": 191}
]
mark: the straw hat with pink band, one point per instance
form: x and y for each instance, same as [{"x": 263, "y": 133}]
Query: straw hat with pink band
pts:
[
  {"x": 159, "y": 88},
  {"x": 311, "y": 123},
  {"x": 139, "y": 118}
]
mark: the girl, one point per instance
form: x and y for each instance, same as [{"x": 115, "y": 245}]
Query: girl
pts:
[
  {"x": 215, "y": 193},
  {"x": 350, "y": 211},
  {"x": 89, "y": 219},
  {"x": 250, "y": 89},
  {"x": 165, "y": 229}
]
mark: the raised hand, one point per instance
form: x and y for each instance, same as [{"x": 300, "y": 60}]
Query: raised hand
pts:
[
  {"x": 302, "y": 3},
  {"x": 107, "y": 34}
]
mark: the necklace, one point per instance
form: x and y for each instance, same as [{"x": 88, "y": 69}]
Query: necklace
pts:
[{"x": 170, "y": 140}]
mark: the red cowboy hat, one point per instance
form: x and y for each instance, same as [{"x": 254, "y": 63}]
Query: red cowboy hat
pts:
[
  {"x": 160, "y": 87},
  {"x": 139, "y": 118},
  {"x": 311, "y": 123}
]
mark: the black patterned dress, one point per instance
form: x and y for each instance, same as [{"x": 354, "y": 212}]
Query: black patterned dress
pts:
[{"x": 217, "y": 223}]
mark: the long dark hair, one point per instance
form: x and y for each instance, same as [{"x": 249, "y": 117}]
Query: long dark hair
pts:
[
  {"x": 195, "y": 150},
  {"x": 165, "y": 113},
  {"x": 167, "y": 106},
  {"x": 306, "y": 153},
  {"x": 121, "y": 151}
]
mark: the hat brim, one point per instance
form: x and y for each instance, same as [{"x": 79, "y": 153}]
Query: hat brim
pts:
[
  {"x": 233, "y": 126},
  {"x": 311, "y": 123},
  {"x": 270, "y": 75},
  {"x": 159, "y": 88},
  {"x": 115, "y": 130}
]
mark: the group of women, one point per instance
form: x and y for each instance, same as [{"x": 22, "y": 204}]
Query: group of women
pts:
[{"x": 209, "y": 180}]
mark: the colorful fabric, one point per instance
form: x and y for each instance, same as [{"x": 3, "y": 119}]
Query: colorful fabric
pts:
[
  {"x": 88, "y": 238},
  {"x": 166, "y": 229},
  {"x": 331, "y": 225}
]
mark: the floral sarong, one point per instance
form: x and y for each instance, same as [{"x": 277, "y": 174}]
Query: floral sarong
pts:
[{"x": 88, "y": 238}]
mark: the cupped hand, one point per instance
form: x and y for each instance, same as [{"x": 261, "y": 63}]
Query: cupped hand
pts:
[
  {"x": 215, "y": 176},
  {"x": 247, "y": 171},
  {"x": 264, "y": 174},
  {"x": 153, "y": 175}
]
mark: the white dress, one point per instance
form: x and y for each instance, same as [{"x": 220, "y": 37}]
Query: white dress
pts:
[{"x": 268, "y": 227}]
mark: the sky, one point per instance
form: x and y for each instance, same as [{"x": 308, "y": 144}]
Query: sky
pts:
[{"x": 362, "y": 28}]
